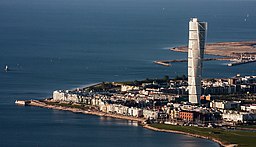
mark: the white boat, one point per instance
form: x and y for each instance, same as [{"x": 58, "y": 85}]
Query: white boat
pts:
[{"x": 6, "y": 68}]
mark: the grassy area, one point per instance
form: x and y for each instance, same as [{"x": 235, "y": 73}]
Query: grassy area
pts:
[
  {"x": 82, "y": 107},
  {"x": 147, "y": 80},
  {"x": 242, "y": 138},
  {"x": 249, "y": 126}
]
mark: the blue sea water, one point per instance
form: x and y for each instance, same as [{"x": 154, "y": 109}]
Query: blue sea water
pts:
[{"x": 63, "y": 44}]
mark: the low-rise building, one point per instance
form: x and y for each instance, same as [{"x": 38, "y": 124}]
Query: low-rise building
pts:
[
  {"x": 239, "y": 117},
  {"x": 225, "y": 104},
  {"x": 60, "y": 95},
  {"x": 250, "y": 108},
  {"x": 174, "y": 114},
  {"x": 136, "y": 112},
  {"x": 186, "y": 115},
  {"x": 125, "y": 88},
  {"x": 150, "y": 114},
  {"x": 103, "y": 108}
]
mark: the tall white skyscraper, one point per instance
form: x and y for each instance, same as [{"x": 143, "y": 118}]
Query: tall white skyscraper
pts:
[{"x": 196, "y": 45}]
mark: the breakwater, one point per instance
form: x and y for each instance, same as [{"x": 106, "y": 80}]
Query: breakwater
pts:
[
  {"x": 241, "y": 62},
  {"x": 168, "y": 62}
]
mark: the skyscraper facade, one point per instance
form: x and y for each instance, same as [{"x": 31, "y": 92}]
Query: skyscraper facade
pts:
[{"x": 196, "y": 45}]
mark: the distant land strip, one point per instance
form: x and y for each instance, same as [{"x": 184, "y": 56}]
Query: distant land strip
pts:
[{"x": 228, "y": 51}]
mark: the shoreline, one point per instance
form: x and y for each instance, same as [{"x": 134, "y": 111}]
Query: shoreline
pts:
[
  {"x": 37, "y": 103},
  {"x": 147, "y": 126}
]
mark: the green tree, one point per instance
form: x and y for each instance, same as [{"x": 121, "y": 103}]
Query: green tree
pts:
[{"x": 166, "y": 78}]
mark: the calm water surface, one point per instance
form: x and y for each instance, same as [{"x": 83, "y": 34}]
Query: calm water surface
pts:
[{"x": 63, "y": 44}]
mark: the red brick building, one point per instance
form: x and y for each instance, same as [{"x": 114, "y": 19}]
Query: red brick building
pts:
[{"x": 186, "y": 115}]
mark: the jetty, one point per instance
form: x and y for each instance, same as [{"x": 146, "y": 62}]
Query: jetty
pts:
[
  {"x": 164, "y": 63},
  {"x": 22, "y": 102},
  {"x": 168, "y": 62},
  {"x": 241, "y": 62}
]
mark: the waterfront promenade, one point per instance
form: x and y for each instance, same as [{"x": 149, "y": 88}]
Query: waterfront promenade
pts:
[
  {"x": 46, "y": 104},
  {"x": 43, "y": 104}
]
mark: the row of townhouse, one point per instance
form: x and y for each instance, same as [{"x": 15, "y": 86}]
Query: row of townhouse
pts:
[
  {"x": 249, "y": 108},
  {"x": 128, "y": 111},
  {"x": 219, "y": 89},
  {"x": 230, "y": 81},
  {"x": 74, "y": 97},
  {"x": 245, "y": 80},
  {"x": 239, "y": 117},
  {"x": 225, "y": 105}
]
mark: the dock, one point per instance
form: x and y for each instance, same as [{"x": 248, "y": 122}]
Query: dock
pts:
[{"x": 162, "y": 63}]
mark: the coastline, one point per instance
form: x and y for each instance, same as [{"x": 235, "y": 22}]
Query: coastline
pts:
[
  {"x": 190, "y": 134},
  {"x": 37, "y": 103}
]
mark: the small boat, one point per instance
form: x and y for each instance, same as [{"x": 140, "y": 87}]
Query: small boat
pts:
[{"x": 6, "y": 68}]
